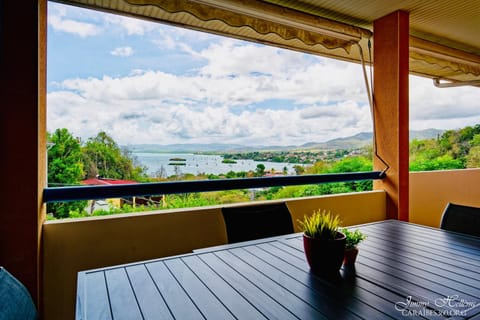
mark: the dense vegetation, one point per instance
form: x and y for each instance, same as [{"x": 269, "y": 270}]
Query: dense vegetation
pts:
[
  {"x": 65, "y": 167},
  {"x": 454, "y": 149},
  {"x": 70, "y": 161},
  {"x": 301, "y": 157}
]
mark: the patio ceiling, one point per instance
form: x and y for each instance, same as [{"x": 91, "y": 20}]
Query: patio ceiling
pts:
[
  {"x": 455, "y": 24},
  {"x": 444, "y": 41},
  {"x": 444, "y": 33}
]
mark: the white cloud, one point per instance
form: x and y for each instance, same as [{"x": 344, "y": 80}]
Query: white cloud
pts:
[
  {"x": 131, "y": 25},
  {"x": 219, "y": 103},
  {"x": 183, "y": 40},
  {"x": 241, "y": 93},
  {"x": 57, "y": 19},
  {"x": 165, "y": 42},
  {"x": 122, "y": 51},
  {"x": 135, "y": 121},
  {"x": 156, "y": 107},
  {"x": 442, "y": 108},
  {"x": 230, "y": 57}
]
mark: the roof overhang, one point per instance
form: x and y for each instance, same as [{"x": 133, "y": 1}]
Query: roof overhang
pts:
[{"x": 306, "y": 26}]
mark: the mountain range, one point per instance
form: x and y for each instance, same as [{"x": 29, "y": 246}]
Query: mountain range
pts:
[{"x": 353, "y": 142}]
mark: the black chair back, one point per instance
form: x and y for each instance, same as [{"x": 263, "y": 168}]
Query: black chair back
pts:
[
  {"x": 460, "y": 218},
  {"x": 257, "y": 221}
]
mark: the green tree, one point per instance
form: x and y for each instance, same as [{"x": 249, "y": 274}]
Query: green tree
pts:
[
  {"x": 102, "y": 156},
  {"x": 444, "y": 162},
  {"x": 299, "y": 170},
  {"x": 260, "y": 170},
  {"x": 64, "y": 159},
  {"x": 457, "y": 143},
  {"x": 475, "y": 142},
  {"x": 242, "y": 174},
  {"x": 231, "y": 174},
  {"x": 352, "y": 164},
  {"x": 424, "y": 149},
  {"x": 318, "y": 167},
  {"x": 473, "y": 158},
  {"x": 64, "y": 168}
]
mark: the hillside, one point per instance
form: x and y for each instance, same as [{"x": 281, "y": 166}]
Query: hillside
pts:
[{"x": 353, "y": 142}]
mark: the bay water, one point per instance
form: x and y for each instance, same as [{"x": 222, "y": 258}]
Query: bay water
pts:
[{"x": 201, "y": 163}]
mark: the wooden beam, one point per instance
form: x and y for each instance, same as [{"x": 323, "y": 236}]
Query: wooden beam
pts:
[
  {"x": 391, "y": 54},
  {"x": 22, "y": 132}
]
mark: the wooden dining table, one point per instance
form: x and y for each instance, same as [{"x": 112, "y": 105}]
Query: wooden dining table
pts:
[{"x": 403, "y": 271}]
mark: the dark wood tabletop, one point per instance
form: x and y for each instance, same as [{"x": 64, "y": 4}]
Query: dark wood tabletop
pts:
[{"x": 403, "y": 271}]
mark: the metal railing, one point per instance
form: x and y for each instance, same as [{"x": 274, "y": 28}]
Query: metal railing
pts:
[{"x": 59, "y": 194}]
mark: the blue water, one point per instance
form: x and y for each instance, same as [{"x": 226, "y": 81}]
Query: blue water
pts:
[{"x": 196, "y": 164}]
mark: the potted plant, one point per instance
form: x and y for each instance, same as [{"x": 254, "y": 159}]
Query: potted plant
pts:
[
  {"x": 323, "y": 243},
  {"x": 353, "y": 238}
]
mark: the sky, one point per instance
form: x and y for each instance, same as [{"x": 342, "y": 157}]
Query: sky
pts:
[{"x": 148, "y": 83}]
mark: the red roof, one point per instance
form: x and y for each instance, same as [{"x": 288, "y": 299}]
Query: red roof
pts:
[{"x": 106, "y": 181}]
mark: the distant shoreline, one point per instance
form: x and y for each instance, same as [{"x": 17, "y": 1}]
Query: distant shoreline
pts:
[{"x": 162, "y": 163}]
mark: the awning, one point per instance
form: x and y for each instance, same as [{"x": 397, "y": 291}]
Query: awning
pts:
[
  {"x": 247, "y": 20},
  {"x": 437, "y": 61},
  {"x": 288, "y": 28}
]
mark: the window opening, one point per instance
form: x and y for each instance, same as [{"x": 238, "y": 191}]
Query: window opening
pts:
[{"x": 120, "y": 86}]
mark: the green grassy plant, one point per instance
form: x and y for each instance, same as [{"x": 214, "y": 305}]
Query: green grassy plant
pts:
[
  {"x": 321, "y": 224},
  {"x": 353, "y": 238}
]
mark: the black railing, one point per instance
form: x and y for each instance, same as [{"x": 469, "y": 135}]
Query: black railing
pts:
[{"x": 148, "y": 189}]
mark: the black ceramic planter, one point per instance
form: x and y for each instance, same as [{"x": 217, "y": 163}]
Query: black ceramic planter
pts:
[{"x": 325, "y": 256}]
